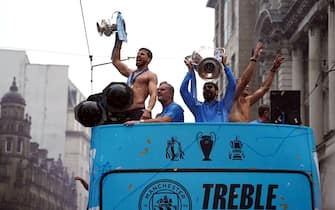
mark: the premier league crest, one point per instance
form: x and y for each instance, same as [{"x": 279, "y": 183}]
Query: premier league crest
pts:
[{"x": 174, "y": 150}]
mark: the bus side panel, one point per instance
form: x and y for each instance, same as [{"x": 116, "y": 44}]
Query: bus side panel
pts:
[
  {"x": 229, "y": 146},
  {"x": 206, "y": 190}
]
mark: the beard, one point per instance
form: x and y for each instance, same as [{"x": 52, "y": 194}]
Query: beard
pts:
[
  {"x": 161, "y": 99},
  {"x": 209, "y": 96}
]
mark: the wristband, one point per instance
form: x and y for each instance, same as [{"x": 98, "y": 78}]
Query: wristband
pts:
[
  {"x": 253, "y": 59},
  {"x": 141, "y": 120},
  {"x": 148, "y": 110}
]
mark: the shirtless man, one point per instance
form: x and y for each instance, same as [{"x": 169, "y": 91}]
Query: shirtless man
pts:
[
  {"x": 240, "y": 111},
  {"x": 142, "y": 81}
]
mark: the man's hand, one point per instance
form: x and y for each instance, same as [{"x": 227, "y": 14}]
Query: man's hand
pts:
[
  {"x": 277, "y": 62},
  {"x": 224, "y": 59},
  {"x": 188, "y": 62},
  {"x": 131, "y": 122},
  {"x": 258, "y": 50},
  {"x": 146, "y": 115}
]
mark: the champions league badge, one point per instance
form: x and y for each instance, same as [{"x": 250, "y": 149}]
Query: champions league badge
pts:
[
  {"x": 206, "y": 143},
  {"x": 165, "y": 194}
]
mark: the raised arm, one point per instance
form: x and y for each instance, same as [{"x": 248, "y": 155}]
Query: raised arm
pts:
[
  {"x": 230, "y": 89},
  {"x": 267, "y": 82},
  {"x": 116, "y": 58},
  {"x": 247, "y": 74},
  {"x": 186, "y": 95}
]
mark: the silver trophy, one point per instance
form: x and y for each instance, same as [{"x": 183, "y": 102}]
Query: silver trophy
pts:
[
  {"x": 106, "y": 28},
  {"x": 208, "y": 66}
]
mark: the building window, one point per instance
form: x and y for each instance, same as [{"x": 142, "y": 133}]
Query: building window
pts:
[
  {"x": 33, "y": 175},
  {"x": 9, "y": 144},
  {"x": 3, "y": 171},
  {"x": 19, "y": 146},
  {"x": 11, "y": 128}
]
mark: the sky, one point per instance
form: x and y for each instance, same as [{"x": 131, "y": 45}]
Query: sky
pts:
[{"x": 63, "y": 32}]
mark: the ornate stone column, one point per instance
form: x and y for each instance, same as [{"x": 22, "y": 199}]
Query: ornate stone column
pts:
[
  {"x": 266, "y": 62},
  {"x": 315, "y": 83},
  {"x": 298, "y": 78},
  {"x": 331, "y": 63},
  {"x": 285, "y": 72}
]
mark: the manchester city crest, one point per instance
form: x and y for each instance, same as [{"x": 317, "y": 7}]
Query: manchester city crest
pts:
[{"x": 165, "y": 194}]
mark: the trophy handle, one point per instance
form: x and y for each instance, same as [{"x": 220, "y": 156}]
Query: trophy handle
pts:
[
  {"x": 213, "y": 136},
  {"x": 199, "y": 136}
]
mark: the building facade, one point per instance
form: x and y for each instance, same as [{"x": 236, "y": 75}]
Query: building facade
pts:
[
  {"x": 44, "y": 88},
  {"x": 234, "y": 30},
  {"x": 50, "y": 97},
  {"x": 303, "y": 31},
  {"x": 28, "y": 178},
  {"x": 77, "y": 145}
]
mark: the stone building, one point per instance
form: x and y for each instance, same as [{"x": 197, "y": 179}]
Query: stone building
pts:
[
  {"x": 77, "y": 146},
  {"x": 234, "y": 29},
  {"x": 50, "y": 99},
  {"x": 29, "y": 180},
  {"x": 303, "y": 31}
]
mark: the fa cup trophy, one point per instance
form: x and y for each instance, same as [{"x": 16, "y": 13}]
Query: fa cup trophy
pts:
[{"x": 107, "y": 28}]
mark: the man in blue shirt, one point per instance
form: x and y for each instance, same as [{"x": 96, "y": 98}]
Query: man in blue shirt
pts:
[
  {"x": 211, "y": 110},
  {"x": 263, "y": 114},
  {"x": 172, "y": 112}
]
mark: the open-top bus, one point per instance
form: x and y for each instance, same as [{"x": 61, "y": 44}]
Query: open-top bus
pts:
[{"x": 184, "y": 166}]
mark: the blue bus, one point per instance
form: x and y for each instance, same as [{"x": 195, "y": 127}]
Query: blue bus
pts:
[{"x": 198, "y": 166}]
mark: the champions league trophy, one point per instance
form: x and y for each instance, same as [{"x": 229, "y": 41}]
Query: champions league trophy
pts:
[
  {"x": 206, "y": 144},
  {"x": 207, "y": 65}
]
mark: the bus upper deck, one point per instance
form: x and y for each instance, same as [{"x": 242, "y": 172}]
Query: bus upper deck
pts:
[{"x": 183, "y": 166}]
